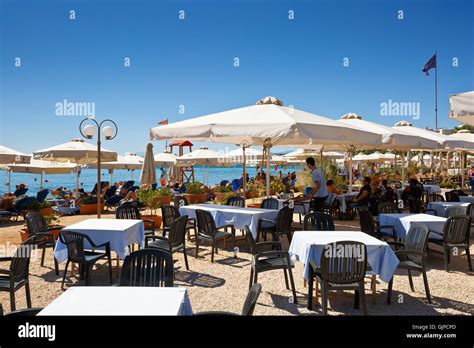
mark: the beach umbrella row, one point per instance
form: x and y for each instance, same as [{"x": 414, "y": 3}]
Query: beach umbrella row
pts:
[{"x": 8, "y": 156}]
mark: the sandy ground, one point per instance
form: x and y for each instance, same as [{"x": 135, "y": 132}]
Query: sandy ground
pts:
[{"x": 223, "y": 285}]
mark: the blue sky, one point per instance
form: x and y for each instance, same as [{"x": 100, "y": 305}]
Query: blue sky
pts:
[{"x": 191, "y": 62}]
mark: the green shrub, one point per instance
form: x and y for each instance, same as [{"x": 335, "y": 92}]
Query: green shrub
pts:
[{"x": 195, "y": 188}]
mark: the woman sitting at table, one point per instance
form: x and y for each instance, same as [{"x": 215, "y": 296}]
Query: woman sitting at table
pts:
[{"x": 362, "y": 198}]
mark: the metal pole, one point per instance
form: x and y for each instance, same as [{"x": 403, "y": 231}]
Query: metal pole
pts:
[
  {"x": 350, "y": 171},
  {"x": 41, "y": 181},
  {"x": 269, "y": 157},
  {"x": 99, "y": 190},
  {"x": 77, "y": 179},
  {"x": 244, "y": 183},
  {"x": 402, "y": 155},
  {"x": 461, "y": 164},
  {"x": 436, "y": 91},
  {"x": 9, "y": 181}
]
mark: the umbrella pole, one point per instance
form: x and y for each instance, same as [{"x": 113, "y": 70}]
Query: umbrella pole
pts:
[
  {"x": 461, "y": 165},
  {"x": 99, "y": 189},
  {"x": 77, "y": 180},
  {"x": 402, "y": 155},
  {"x": 111, "y": 176},
  {"x": 41, "y": 181},
  {"x": 268, "y": 170},
  {"x": 350, "y": 171},
  {"x": 244, "y": 183},
  {"x": 9, "y": 181}
]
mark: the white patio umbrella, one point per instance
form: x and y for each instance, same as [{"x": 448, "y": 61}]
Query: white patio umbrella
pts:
[
  {"x": 165, "y": 159},
  {"x": 41, "y": 167},
  {"x": 267, "y": 123},
  {"x": 8, "y": 156},
  {"x": 148, "y": 175},
  {"x": 130, "y": 161},
  {"x": 462, "y": 107},
  {"x": 77, "y": 151}
]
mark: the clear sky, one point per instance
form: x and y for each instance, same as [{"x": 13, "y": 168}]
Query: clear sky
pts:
[{"x": 190, "y": 62}]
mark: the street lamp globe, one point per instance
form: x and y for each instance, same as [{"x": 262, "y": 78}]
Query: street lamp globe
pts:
[
  {"x": 108, "y": 132},
  {"x": 89, "y": 131}
]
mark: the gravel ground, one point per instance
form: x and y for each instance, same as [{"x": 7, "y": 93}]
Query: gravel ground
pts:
[{"x": 223, "y": 285}]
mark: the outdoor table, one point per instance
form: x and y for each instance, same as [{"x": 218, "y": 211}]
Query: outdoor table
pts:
[
  {"x": 119, "y": 232},
  {"x": 342, "y": 199},
  {"x": 466, "y": 199},
  {"x": 308, "y": 245},
  {"x": 431, "y": 189},
  {"x": 230, "y": 215},
  {"x": 440, "y": 207},
  {"x": 120, "y": 300},
  {"x": 403, "y": 222},
  {"x": 300, "y": 206}
]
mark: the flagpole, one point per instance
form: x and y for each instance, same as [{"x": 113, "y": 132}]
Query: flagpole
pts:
[{"x": 436, "y": 91}]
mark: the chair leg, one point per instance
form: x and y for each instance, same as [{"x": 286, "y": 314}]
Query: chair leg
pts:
[
  {"x": 255, "y": 276},
  {"x": 446, "y": 259},
  {"x": 389, "y": 292},
  {"x": 56, "y": 266},
  {"x": 197, "y": 246},
  {"x": 411, "y": 281},
  {"x": 427, "y": 289},
  {"x": 292, "y": 282},
  {"x": 362, "y": 298},
  {"x": 213, "y": 246},
  {"x": 42, "y": 256},
  {"x": 310, "y": 291},
  {"x": 109, "y": 257},
  {"x": 286, "y": 279},
  {"x": 324, "y": 298},
  {"x": 64, "y": 276},
  {"x": 28, "y": 294},
  {"x": 251, "y": 277},
  {"x": 469, "y": 261},
  {"x": 87, "y": 270},
  {"x": 12, "y": 300},
  {"x": 185, "y": 258}
]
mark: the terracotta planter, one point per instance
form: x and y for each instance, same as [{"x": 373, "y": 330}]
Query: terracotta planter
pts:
[
  {"x": 163, "y": 199},
  {"x": 220, "y": 196},
  {"x": 158, "y": 220},
  {"x": 46, "y": 211},
  {"x": 254, "y": 205},
  {"x": 196, "y": 197},
  {"x": 251, "y": 194},
  {"x": 89, "y": 209},
  {"x": 56, "y": 230}
]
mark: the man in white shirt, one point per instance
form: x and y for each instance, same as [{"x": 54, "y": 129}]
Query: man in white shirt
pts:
[{"x": 319, "y": 192}]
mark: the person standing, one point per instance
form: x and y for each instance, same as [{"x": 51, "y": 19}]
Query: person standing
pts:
[{"x": 319, "y": 192}]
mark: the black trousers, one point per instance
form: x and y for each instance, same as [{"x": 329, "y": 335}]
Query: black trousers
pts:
[{"x": 318, "y": 203}]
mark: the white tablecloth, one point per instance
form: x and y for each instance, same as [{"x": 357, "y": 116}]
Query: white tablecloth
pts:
[
  {"x": 466, "y": 199},
  {"x": 343, "y": 199},
  {"x": 120, "y": 300},
  {"x": 300, "y": 207},
  {"x": 308, "y": 245},
  {"x": 120, "y": 233},
  {"x": 228, "y": 215},
  {"x": 403, "y": 222},
  {"x": 440, "y": 207}
]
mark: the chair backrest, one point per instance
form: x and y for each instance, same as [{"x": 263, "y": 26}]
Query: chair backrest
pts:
[
  {"x": 20, "y": 264},
  {"x": 129, "y": 183},
  {"x": 251, "y": 240},
  {"x": 344, "y": 262},
  {"x": 387, "y": 208},
  {"x": 41, "y": 195},
  {"x": 129, "y": 212},
  {"x": 318, "y": 221},
  {"x": 457, "y": 229},
  {"x": 74, "y": 242},
  {"x": 414, "y": 205},
  {"x": 434, "y": 197},
  {"x": 269, "y": 203},
  {"x": 367, "y": 222},
  {"x": 148, "y": 267},
  {"x": 36, "y": 223},
  {"x": 110, "y": 192},
  {"x": 251, "y": 299},
  {"x": 178, "y": 231},
  {"x": 21, "y": 203},
  {"x": 169, "y": 214},
  {"x": 452, "y": 196},
  {"x": 284, "y": 219},
  {"x": 458, "y": 211},
  {"x": 205, "y": 223},
  {"x": 20, "y": 192},
  {"x": 417, "y": 240},
  {"x": 180, "y": 201},
  {"x": 236, "y": 201}
]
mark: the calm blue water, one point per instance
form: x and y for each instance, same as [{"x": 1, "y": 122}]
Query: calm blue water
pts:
[{"x": 88, "y": 177}]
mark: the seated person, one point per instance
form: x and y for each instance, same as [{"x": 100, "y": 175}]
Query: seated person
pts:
[
  {"x": 376, "y": 196},
  {"x": 363, "y": 196},
  {"x": 412, "y": 191},
  {"x": 388, "y": 193},
  {"x": 331, "y": 188}
]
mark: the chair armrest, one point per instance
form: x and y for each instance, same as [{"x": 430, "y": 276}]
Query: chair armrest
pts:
[
  {"x": 266, "y": 221},
  {"x": 408, "y": 252},
  {"x": 5, "y": 271},
  {"x": 6, "y": 258},
  {"x": 45, "y": 234},
  {"x": 272, "y": 253},
  {"x": 270, "y": 243},
  {"x": 106, "y": 244},
  {"x": 147, "y": 238}
]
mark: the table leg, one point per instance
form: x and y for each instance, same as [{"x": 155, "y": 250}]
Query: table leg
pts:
[{"x": 373, "y": 286}]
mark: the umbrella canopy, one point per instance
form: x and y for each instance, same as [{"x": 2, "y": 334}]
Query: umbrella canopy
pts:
[
  {"x": 148, "y": 175},
  {"x": 265, "y": 122},
  {"x": 302, "y": 154},
  {"x": 464, "y": 135},
  {"x": 76, "y": 150},
  {"x": 394, "y": 138},
  {"x": 462, "y": 107},
  {"x": 446, "y": 142},
  {"x": 165, "y": 159},
  {"x": 8, "y": 156},
  {"x": 238, "y": 154},
  {"x": 202, "y": 156},
  {"x": 374, "y": 157},
  {"x": 129, "y": 161},
  {"x": 43, "y": 167}
]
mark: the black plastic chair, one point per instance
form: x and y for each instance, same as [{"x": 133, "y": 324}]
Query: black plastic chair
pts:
[
  {"x": 458, "y": 211},
  {"x": 387, "y": 208},
  {"x": 368, "y": 225},
  {"x": 236, "y": 201},
  {"x": 269, "y": 203},
  {"x": 434, "y": 197},
  {"x": 169, "y": 214},
  {"x": 411, "y": 255},
  {"x": 131, "y": 212},
  {"x": 282, "y": 225},
  {"x": 415, "y": 205},
  {"x": 249, "y": 304},
  {"x": 340, "y": 272},
  {"x": 86, "y": 259},
  {"x": 38, "y": 227},
  {"x": 456, "y": 233},
  {"x": 148, "y": 267},
  {"x": 16, "y": 276},
  {"x": 209, "y": 232},
  {"x": 452, "y": 196},
  {"x": 269, "y": 256},
  {"x": 175, "y": 242},
  {"x": 318, "y": 221}
]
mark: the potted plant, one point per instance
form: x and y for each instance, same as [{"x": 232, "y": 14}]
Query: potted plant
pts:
[
  {"x": 54, "y": 227},
  {"x": 88, "y": 205},
  {"x": 276, "y": 186},
  {"x": 195, "y": 192},
  {"x": 164, "y": 195},
  {"x": 44, "y": 208},
  {"x": 251, "y": 190},
  {"x": 222, "y": 192},
  {"x": 152, "y": 202}
]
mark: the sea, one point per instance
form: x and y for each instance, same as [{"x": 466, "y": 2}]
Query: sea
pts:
[{"x": 210, "y": 176}]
